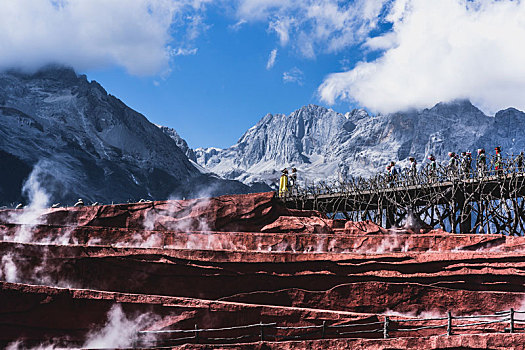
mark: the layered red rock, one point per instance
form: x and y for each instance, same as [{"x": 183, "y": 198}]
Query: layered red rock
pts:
[
  {"x": 298, "y": 224},
  {"x": 38, "y": 313},
  {"x": 231, "y": 213},
  {"x": 338, "y": 242},
  {"x": 252, "y": 260},
  {"x": 466, "y": 341}
]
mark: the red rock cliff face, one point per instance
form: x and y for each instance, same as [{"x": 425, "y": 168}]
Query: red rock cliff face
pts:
[{"x": 239, "y": 260}]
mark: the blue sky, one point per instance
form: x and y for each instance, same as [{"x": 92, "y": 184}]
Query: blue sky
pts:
[
  {"x": 202, "y": 66},
  {"x": 212, "y": 97}
]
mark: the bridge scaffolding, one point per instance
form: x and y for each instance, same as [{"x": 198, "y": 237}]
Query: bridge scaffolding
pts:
[{"x": 488, "y": 200}]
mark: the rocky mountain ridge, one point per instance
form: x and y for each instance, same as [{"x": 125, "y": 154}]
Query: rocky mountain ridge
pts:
[
  {"x": 181, "y": 143},
  {"x": 80, "y": 141},
  {"x": 327, "y": 145}
]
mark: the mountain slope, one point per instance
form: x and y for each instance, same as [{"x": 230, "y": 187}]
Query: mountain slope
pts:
[
  {"x": 326, "y": 145},
  {"x": 181, "y": 143},
  {"x": 277, "y": 141},
  {"x": 85, "y": 143}
]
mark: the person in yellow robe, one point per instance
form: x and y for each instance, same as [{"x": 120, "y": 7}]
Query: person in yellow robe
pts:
[{"x": 283, "y": 183}]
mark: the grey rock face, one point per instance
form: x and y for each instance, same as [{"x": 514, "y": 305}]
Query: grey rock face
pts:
[
  {"x": 181, "y": 143},
  {"x": 326, "y": 145},
  {"x": 87, "y": 143}
]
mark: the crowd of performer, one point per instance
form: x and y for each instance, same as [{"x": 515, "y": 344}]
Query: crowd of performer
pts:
[{"x": 460, "y": 165}]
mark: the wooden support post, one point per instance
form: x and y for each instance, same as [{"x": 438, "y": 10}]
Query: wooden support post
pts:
[
  {"x": 262, "y": 331},
  {"x": 449, "y": 323},
  {"x": 385, "y": 327},
  {"x": 196, "y": 334},
  {"x": 453, "y": 206},
  {"x": 487, "y": 217},
  {"x": 481, "y": 214},
  {"x": 379, "y": 214},
  {"x": 389, "y": 216},
  {"x": 511, "y": 320},
  {"x": 323, "y": 335},
  {"x": 465, "y": 223},
  {"x": 432, "y": 214}
]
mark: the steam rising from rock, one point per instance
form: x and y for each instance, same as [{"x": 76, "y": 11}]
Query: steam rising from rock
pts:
[
  {"x": 119, "y": 330},
  {"x": 8, "y": 269},
  {"x": 28, "y": 218}
]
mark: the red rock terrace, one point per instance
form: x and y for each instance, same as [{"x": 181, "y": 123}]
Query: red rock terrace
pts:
[{"x": 245, "y": 272}]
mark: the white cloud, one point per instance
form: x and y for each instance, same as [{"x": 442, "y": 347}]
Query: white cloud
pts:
[
  {"x": 345, "y": 63},
  {"x": 238, "y": 25},
  {"x": 294, "y": 75},
  {"x": 262, "y": 9},
  {"x": 271, "y": 59},
  {"x": 281, "y": 26},
  {"x": 134, "y": 34},
  {"x": 195, "y": 26},
  {"x": 439, "y": 51},
  {"x": 184, "y": 52},
  {"x": 314, "y": 25}
]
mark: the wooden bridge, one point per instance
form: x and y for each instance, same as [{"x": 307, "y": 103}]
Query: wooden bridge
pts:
[{"x": 464, "y": 200}]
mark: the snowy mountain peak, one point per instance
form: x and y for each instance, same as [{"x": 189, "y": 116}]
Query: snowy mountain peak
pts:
[
  {"x": 511, "y": 113},
  {"x": 356, "y": 114},
  {"x": 457, "y": 109},
  {"x": 58, "y": 73},
  {"x": 324, "y": 144},
  {"x": 276, "y": 141},
  {"x": 311, "y": 111}
]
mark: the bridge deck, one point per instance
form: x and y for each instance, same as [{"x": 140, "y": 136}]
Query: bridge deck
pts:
[{"x": 495, "y": 187}]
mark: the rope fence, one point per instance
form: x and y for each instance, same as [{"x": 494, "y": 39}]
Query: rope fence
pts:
[{"x": 388, "y": 327}]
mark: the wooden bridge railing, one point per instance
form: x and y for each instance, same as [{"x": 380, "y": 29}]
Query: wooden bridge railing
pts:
[{"x": 462, "y": 199}]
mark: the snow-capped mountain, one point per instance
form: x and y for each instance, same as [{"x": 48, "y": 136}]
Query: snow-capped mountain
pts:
[
  {"x": 86, "y": 143},
  {"x": 323, "y": 144}
]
